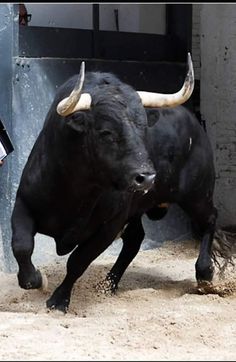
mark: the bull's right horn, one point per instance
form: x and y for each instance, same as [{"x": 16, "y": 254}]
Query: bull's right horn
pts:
[
  {"x": 158, "y": 100},
  {"x": 76, "y": 101}
]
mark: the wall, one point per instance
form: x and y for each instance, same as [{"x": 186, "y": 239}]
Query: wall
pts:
[
  {"x": 218, "y": 99},
  {"x": 61, "y": 15},
  {"x": 126, "y": 12},
  {"x": 152, "y": 18},
  {"x": 196, "y": 40},
  {"x": 6, "y": 53},
  {"x": 148, "y": 18}
]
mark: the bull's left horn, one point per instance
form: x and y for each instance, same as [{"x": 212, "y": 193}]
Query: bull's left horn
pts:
[
  {"x": 76, "y": 101},
  {"x": 171, "y": 100}
]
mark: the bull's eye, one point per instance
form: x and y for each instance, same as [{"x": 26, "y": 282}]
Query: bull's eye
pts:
[{"x": 106, "y": 135}]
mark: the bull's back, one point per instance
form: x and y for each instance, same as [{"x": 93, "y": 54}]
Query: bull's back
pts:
[{"x": 181, "y": 152}]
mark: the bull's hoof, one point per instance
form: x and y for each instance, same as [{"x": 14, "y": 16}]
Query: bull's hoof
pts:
[
  {"x": 59, "y": 300},
  {"x": 204, "y": 274},
  {"x": 62, "y": 305},
  {"x": 32, "y": 281},
  {"x": 107, "y": 286},
  {"x": 204, "y": 287}
]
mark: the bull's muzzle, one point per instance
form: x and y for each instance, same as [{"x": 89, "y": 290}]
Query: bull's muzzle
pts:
[{"x": 143, "y": 181}]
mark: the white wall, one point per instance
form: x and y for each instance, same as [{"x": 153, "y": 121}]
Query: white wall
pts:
[
  {"x": 152, "y": 18},
  {"x": 128, "y": 17},
  {"x": 147, "y": 18},
  {"x": 218, "y": 99},
  {"x": 62, "y": 15}
]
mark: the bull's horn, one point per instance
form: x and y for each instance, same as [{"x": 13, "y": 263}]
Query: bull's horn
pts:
[
  {"x": 76, "y": 101},
  {"x": 171, "y": 100}
]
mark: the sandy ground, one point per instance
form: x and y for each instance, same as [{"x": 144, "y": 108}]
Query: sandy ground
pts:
[{"x": 156, "y": 314}]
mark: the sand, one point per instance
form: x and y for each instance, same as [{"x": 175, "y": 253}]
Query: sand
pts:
[{"x": 156, "y": 314}]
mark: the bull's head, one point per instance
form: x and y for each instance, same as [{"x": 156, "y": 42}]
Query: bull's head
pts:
[{"x": 78, "y": 101}]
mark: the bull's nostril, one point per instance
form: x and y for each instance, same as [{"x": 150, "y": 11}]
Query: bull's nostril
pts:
[
  {"x": 140, "y": 179},
  {"x": 144, "y": 181}
]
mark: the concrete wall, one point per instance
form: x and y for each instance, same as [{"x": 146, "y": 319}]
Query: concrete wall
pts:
[
  {"x": 146, "y": 18},
  {"x": 196, "y": 13},
  {"x": 218, "y": 99},
  {"x": 7, "y": 48},
  {"x": 78, "y": 16}
]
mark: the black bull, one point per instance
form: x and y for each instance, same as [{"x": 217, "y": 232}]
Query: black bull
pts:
[{"x": 91, "y": 176}]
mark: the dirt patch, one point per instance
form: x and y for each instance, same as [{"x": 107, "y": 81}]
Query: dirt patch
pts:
[{"x": 156, "y": 314}]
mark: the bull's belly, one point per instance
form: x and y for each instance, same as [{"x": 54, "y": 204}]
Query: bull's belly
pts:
[
  {"x": 68, "y": 234},
  {"x": 52, "y": 225},
  {"x": 66, "y": 237},
  {"x": 69, "y": 231}
]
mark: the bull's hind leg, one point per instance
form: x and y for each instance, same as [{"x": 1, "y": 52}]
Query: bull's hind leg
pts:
[
  {"x": 204, "y": 216},
  {"x": 23, "y": 232},
  {"x": 204, "y": 264},
  {"x": 132, "y": 238}
]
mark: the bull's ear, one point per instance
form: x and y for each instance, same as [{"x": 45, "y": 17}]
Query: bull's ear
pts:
[
  {"x": 152, "y": 116},
  {"x": 77, "y": 121}
]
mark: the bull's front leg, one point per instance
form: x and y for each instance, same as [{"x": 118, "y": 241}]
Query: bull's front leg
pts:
[
  {"x": 78, "y": 262},
  {"x": 23, "y": 232},
  {"x": 132, "y": 237}
]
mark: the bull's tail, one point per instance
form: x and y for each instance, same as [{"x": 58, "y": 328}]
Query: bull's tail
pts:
[{"x": 224, "y": 249}]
